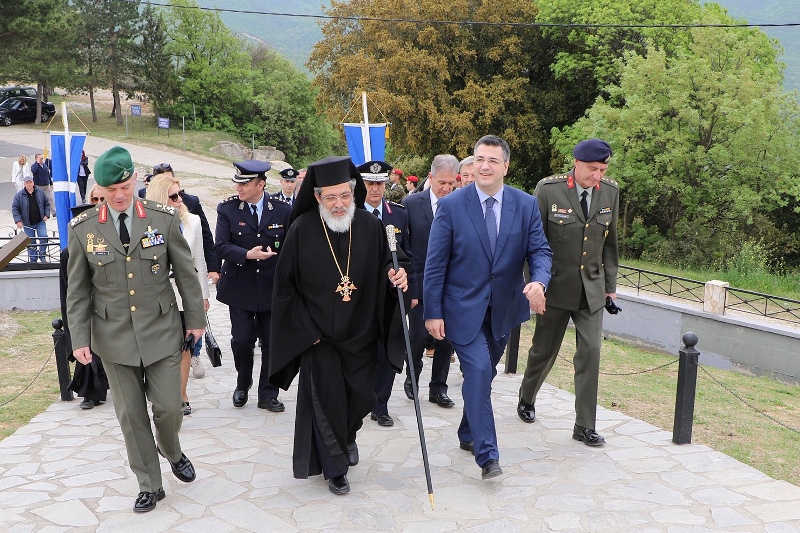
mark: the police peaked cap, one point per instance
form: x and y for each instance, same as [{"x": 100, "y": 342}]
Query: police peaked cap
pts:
[
  {"x": 252, "y": 168},
  {"x": 289, "y": 174},
  {"x": 325, "y": 173},
  {"x": 592, "y": 151},
  {"x": 375, "y": 171}
]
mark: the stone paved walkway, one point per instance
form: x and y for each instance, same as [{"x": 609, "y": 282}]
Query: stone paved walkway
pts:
[{"x": 66, "y": 471}]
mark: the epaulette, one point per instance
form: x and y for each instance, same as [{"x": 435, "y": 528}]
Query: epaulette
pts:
[
  {"x": 609, "y": 181},
  {"x": 155, "y": 206},
  {"x": 229, "y": 199},
  {"x": 556, "y": 178},
  {"x": 84, "y": 216},
  {"x": 395, "y": 204}
]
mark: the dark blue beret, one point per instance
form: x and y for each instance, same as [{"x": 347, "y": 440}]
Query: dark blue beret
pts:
[
  {"x": 375, "y": 171},
  {"x": 252, "y": 168},
  {"x": 592, "y": 151}
]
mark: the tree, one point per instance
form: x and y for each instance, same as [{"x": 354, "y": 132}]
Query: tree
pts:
[
  {"x": 443, "y": 85},
  {"x": 154, "y": 70},
  {"x": 705, "y": 142}
]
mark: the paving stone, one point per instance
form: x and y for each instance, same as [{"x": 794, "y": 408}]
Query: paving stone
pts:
[
  {"x": 73, "y": 513},
  {"x": 727, "y": 517}
]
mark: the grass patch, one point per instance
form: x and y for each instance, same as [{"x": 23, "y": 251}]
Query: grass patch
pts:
[
  {"x": 721, "y": 421},
  {"x": 26, "y": 347}
]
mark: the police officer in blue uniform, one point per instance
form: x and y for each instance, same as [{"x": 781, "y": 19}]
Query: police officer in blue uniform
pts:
[
  {"x": 288, "y": 182},
  {"x": 249, "y": 236},
  {"x": 375, "y": 175}
]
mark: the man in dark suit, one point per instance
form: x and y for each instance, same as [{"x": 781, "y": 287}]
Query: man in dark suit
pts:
[
  {"x": 288, "y": 182},
  {"x": 375, "y": 175},
  {"x": 421, "y": 208},
  {"x": 43, "y": 179},
  {"x": 250, "y": 232},
  {"x": 474, "y": 289},
  {"x": 579, "y": 211}
]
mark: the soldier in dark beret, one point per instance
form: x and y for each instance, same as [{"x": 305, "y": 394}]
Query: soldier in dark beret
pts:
[
  {"x": 251, "y": 227},
  {"x": 579, "y": 211},
  {"x": 120, "y": 301}
]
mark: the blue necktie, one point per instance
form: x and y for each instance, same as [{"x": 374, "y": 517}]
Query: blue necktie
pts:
[{"x": 491, "y": 223}]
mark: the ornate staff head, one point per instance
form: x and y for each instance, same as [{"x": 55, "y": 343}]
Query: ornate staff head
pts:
[{"x": 392, "y": 238}]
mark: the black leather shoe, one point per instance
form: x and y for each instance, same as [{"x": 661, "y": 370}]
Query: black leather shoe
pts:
[
  {"x": 409, "y": 390},
  {"x": 588, "y": 436},
  {"x": 526, "y": 411},
  {"x": 183, "y": 469},
  {"x": 339, "y": 485},
  {"x": 352, "y": 454},
  {"x": 87, "y": 404},
  {"x": 491, "y": 469},
  {"x": 442, "y": 399},
  {"x": 146, "y": 501},
  {"x": 239, "y": 398},
  {"x": 467, "y": 447},
  {"x": 271, "y": 404},
  {"x": 383, "y": 420}
]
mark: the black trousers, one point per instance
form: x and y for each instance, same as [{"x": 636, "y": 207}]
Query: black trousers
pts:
[
  {"x": 384, "y": 379},
  {"x": 246, "y": 327},
  {"x": 442, "y": 350}
]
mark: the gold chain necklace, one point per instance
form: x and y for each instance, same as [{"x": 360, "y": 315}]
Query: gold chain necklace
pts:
[{"x": 345, "y": 286}]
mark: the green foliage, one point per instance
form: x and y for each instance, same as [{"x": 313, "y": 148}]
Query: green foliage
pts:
[
  {"x": 154, "y": 73},
  {"x": 704, "y": 143}
]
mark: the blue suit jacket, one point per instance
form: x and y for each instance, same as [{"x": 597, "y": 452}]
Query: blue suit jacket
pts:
[
  {"x": 462, "y": 277},
  {"x": 420, "y": 218}
]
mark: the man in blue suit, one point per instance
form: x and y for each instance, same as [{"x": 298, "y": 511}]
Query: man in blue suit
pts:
[
  {"x": 375, "y": 175},
  {"x": 474, "y": 289}
]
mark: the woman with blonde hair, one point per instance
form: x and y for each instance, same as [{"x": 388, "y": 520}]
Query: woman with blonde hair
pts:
[
  {"x": 19, "y": 170},
  {"x": 166, "y": 189}
]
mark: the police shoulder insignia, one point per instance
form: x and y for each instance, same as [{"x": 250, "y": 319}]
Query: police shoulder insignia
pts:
[
  {"x": 396, "y": 204},
  {"x": 229, "y": 199}
]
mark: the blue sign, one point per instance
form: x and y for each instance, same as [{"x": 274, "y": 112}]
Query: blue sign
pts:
[
  {"x": 136, "y": 110},
  {"x": 163, "y": 123}
]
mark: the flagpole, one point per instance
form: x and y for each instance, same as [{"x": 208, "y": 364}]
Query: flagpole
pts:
[
  {"x": 365, "y": 135},
  {"x": 65, "y": 122},
  {"x": 392, "y": 238}
]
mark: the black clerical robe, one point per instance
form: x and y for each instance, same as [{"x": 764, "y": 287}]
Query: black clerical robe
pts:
[{"x": 335, "y": 388}]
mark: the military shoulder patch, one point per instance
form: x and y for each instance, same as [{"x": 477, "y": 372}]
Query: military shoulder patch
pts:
[
  {"x": 84, "y": 216},
  {"x": 610, "y": 181},
  {"x": 155, "y": 206}
]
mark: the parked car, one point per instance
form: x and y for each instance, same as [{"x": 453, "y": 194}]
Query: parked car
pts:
[
  {"x": 10, "y": 92},
  {"x": 22, "y": 108}
]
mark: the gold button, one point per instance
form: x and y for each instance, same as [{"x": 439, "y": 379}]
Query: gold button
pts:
[
  {"x": 584, "y": 253},
  {"x": 587, "y": 225},
  {"x": 586, "y": 238},
  {"x": 133, "y": 307},
  {"x": 99, "y": 263},
  {"x": 128, "y": 259},
  {"x": 134, "y": 292},
  {"x": 155, "y": 257},
  {"x": 560, "y": 221},
  {"x": 581, "y": 267},
  {"x": 130, "y": 275}
]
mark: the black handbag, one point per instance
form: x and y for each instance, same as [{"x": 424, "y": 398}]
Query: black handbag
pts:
[{"x": 212, "y": 348}]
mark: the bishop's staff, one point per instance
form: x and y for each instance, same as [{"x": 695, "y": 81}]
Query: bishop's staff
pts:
[{"x": 390, "y": 235}]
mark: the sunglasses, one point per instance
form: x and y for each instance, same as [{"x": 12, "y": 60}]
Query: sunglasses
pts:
[
  {"x": 162, "y": 167},
  {"x": 179, "y": 194},
  {"x": 95, "y": 199}
]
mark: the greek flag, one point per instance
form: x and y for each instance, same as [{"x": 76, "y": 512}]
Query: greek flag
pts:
[
  {"x": 66, "y": 149},
  {"x": 363, "y": 148}
]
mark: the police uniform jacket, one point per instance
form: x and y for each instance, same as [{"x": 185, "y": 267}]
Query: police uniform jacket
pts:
[
  {"x": 281, "y": 198},
  {"x": 585, "y": 252},
  {"x": 122, "y": 304},
  {"x": 395, "y": 215},
  {"x": 247, "y": 283}
]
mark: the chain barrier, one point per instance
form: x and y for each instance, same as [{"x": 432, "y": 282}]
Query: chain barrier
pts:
[{"x": 28, "y": 386}]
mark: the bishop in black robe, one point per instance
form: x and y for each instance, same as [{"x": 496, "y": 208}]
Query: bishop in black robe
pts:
[{"x": 335, "y": 388}]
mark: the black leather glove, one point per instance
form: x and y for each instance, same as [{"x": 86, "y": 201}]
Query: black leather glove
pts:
[{"x": 612, "y": 307}]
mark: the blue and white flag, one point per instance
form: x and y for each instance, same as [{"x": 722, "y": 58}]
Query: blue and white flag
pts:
[
  {"x": 65, "y": 149},
  {"x": 363, "y": 148}
]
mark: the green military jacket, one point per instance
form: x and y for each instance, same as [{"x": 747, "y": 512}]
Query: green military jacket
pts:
[
  {"x": 585, "y": 253},
  {"x": 122, "y": 304}
]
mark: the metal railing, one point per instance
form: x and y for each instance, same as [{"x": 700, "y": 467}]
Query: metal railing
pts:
[
  {"x": 741, "y": 300},
  {"x": 22, "y": 260}
]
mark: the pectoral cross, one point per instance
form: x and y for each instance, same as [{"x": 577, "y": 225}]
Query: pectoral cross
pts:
[{"x": 345, "y": 287}]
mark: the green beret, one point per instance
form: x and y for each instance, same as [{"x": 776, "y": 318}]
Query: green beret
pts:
[{"x": 113, "y": 166}]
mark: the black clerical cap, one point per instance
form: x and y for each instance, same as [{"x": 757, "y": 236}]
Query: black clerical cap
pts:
[
  {"x": 592, "y": 151},
  {"x": 252, "y": 168},
  {"x": 375, "y": 171},
  {"x": 289, "y": 174},
  {"x": 324, "y": 173}
]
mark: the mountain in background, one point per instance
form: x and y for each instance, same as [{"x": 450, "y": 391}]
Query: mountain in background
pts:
[{"x": 294, "y": 36}]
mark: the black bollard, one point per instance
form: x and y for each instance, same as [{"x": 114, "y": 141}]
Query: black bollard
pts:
[
  {"x": 512, "y": 351},
  {"x": 62, "y": 366},
  {"x": 687, "y": 386}
]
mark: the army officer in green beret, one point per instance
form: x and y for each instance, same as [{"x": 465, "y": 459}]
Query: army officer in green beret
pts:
[{"x": 120, "y": 302}]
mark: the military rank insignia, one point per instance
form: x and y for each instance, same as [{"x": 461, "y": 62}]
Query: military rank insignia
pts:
[
  {"x": 150, "y": 238},
  {"x": 97, "y": 248}
]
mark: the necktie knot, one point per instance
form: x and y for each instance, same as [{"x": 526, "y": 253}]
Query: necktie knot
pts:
[{"x": 376, "y": 213}]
